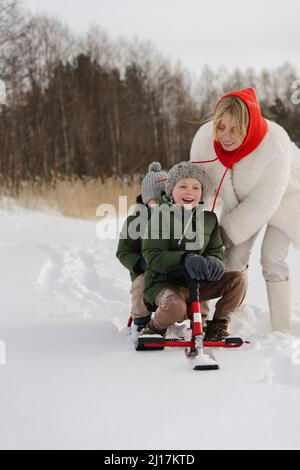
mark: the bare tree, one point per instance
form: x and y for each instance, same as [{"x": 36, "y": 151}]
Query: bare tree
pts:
[
  {"x": 99, "y": 47},
  {"x": 10, "y": 21},
  {"x": 98, "y": 107},
  {"x": 44, "y": 43}
]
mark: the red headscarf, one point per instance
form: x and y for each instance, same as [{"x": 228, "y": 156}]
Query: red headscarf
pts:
[{"x": 257, "y": 130}]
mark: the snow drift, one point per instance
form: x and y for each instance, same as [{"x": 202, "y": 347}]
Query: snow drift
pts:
[{"x": 73, "y": 380}]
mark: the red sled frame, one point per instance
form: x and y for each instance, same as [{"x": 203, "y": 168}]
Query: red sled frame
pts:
[{"x": 194, "y": 313}]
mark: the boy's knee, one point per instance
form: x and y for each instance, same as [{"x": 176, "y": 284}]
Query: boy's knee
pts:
[
  {"x": 180, "y": 311},
  {"x": 172, "y": 307},
  {"x": 176, "y": 306},
  {"x": 240, "y": 279}
]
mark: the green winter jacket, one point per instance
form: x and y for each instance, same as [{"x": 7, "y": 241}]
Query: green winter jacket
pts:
[
  {"x": 170, "y": 239},
  {"x": 129, "y": 251}
]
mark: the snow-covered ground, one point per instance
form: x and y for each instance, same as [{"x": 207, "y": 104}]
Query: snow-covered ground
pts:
[{"x": 72, "y": 379}]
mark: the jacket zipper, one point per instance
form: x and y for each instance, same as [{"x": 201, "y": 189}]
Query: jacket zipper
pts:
[{"x": 186, "y": 229}]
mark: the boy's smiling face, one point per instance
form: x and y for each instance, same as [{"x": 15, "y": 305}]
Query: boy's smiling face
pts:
[{"x": 187, "y": 192}]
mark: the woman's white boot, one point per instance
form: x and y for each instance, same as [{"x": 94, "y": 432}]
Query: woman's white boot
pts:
[{"x": 281, "y": 305}]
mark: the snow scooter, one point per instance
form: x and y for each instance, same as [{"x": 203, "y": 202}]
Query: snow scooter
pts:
[{"x": 197, "y": 350}]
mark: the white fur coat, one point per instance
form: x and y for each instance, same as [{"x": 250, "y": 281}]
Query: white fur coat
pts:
[{"x": 263, "y": 188}]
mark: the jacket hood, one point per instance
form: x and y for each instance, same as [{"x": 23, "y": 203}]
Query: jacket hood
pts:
[
  {"x": 139, "y": 200},
  {"x": 257, "y": 129}
]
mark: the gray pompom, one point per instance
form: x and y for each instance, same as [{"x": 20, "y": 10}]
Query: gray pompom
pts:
[{"x": 155, "y": 166}]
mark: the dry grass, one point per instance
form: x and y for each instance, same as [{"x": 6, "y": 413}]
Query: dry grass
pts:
[{"x": 77, "y": 198}]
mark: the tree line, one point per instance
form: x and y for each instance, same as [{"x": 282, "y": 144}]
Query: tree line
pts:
[{"x": 95, "y": 107}]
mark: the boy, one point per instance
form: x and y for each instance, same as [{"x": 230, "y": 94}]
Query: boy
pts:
[
  {"x": 168, "y": 246},
  {"x": 130, "y": 244}
]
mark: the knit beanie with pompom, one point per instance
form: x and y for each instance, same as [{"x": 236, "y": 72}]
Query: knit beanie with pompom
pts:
[{"x": 153, "y": 183}]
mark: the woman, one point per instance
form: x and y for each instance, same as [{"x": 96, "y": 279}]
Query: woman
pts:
[{"x": 255, "y": 168}]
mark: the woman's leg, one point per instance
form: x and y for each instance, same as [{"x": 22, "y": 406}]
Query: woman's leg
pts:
[
  {"x": 232, "y": 290},
  {"x": 237, "y": 257},
  {"x": 274, "y": 254},
  {"x": 277, "y": 275}
]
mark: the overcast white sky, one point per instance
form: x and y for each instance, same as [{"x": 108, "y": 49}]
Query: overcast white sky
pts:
[{"x": 241, "y": 33}]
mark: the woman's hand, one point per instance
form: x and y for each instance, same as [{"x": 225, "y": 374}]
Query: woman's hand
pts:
[{"x": 228, "y": 243}]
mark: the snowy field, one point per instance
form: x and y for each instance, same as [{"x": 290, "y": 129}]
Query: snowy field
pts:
[{"x": 73, "y": 381}]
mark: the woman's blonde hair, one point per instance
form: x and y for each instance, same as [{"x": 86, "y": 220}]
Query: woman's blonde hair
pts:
[{"x": 238, "y": 109}]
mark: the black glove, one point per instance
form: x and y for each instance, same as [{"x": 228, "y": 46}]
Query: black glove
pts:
[
  {"x": 141, "y": 266},
  {"x": 197, "y": 267},
  {"x": 216, "y": 268}
]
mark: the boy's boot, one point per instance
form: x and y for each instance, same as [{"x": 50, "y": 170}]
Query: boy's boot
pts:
[
  {"x": 216, "y": 330},
  {"x": 151, "y": 330},
  {"x": 141, "y": 322}
]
